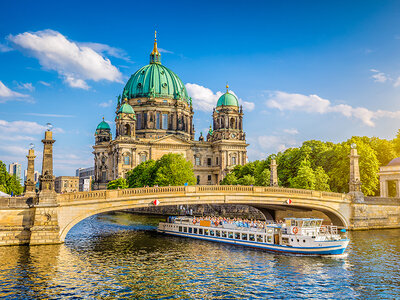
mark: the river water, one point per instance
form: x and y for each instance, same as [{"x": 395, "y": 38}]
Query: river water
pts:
[{"x": 121, "y": 256}]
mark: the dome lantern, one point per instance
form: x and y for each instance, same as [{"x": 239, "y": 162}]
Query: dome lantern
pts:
[{"x": 155, "y": 56}]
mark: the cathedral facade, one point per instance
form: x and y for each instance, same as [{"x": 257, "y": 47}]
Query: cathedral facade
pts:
[{"x": 154, "y": 117}]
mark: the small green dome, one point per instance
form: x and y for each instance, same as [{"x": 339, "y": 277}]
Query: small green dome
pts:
[
  {"x": 103, "y": 125},
  {"x": 228, "y": 99},
  {"x": 126, "y": 109}
]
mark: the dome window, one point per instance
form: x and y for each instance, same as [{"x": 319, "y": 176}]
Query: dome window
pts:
[
  {"x": 162, "y": 72},
  {"x": 143, "y": 72},
  {"x": 139, "y": 85},
  {"x": 164, "y": 85}
]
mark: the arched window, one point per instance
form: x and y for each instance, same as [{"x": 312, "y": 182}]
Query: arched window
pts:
[
  {"x": 232, "y": 123},
  {"x": 143, "y": 157},
  {"x": 127, "y": 160},
  {"x": 198, "y": 179},
  {"x": 197, "y": 160},
  {"x": 127, "y": 130},
  {"x": 233, "y": 160}
]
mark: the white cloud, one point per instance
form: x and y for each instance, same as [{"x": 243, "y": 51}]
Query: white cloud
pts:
[
  {"x": 315, "y": 104},
  {"x": 106, "y": 49},
  {"x": 5, "y": 48},
  {"x": 50, "y": 115},
  {"x": 73, "y": 62},
  {"x": 291, "y": 131},
  {"x": 379, "y": 76},
  {"x": 273, "y": 143},
  {"x": 26, "y": 86},
  {"x": 106, "y": 104},
  {"x": 204, "y": 99},
  {"x": 16, "y": 138},
  {"x": 26, "y": 127},
  {"x": 7, "y": 94},
  {"x": 164, "y": 51},
  {"x": 45, "y": 83}
]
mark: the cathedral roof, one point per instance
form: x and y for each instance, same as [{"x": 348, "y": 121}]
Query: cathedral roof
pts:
[
  {"x": 126, "y": 109},
  {"x": 155, "y": 81},
  {"x": 228, "y": 99},
  {"x": 103, "y": 125},
  {"x": 394, "y": 162}
]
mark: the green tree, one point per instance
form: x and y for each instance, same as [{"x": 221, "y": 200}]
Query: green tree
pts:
[
  {"x": 246, "y": 180},
  {"x": 119, "y": 183},
  {"x": 229, "y": 179},
  {"x": 263, "y": 179},
  {"x": 321, "y": 180},
  {"x": 305, "y": 178},
  {"x": 8, "y": 183},
  {"x": 384, "y": 150},
  {"x": 174, "y": 169},
  {"x": 142, "y": 175}
]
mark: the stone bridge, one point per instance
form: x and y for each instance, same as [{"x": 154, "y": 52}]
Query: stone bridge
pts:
[{"x": 27, "y": 221}]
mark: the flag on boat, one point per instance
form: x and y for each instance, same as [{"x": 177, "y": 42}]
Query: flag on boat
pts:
[
  {"x": 289, "y": 201},
  {"x": 156, "y": 202}
]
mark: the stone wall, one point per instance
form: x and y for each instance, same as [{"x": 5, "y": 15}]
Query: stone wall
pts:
[{"x": 376, "y": 213}]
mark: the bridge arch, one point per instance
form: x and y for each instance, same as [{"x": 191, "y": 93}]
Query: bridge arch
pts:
[{"x": 76, "y": 207}]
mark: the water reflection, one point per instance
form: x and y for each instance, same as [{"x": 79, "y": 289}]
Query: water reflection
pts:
[{"x": 116, "y": 255}]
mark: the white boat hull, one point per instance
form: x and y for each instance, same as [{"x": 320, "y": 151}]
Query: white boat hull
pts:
[{"x": 321, "y": 248}]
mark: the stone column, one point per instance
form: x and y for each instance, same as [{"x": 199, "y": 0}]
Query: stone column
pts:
[
  {"x": 383, "y": 188},
  {"x": 46, "y": 180},
  {"x": 45, "y": 229},
  {"x": 397, "y": 188},
  {"x": 274, "y": 173},
  {"x": 355, "y": 182},
  {"x": 30, "y": 176}
]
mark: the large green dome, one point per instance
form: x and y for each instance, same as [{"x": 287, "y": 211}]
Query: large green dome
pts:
[
  {"x": 228, "y": 99},
  {"x": 155, "y": 81}
]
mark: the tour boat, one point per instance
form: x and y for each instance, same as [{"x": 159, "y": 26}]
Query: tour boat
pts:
[{"x": 295, "y": 235}]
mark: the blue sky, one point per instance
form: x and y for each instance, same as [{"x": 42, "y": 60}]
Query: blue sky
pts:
[{"x": 303, "y": 70}]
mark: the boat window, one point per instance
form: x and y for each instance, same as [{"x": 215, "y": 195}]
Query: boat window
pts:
[
  {"x": 217, "y": 233},
  {"x": 313, "y": 223},
  {"x": 206, "y": 232},
  {"x": 292, "y": 240},
  {"x": 298, "y": 240},
  {"x": 180, "y": 228},
  {"x": 304, "y": 241},
  {"x": 293, "y": 223},
  {"x": 194, "y": 230},
  {"x": 223, "y": 234},
  {"x": 260, "y": 238},
  {"x": 237, "y": 235},
  {"x": 212, "y": 232},
  {"x": 230, "y": 235},
  {"x": 184, "y": 229},
  {"x": 200, "y": 230},
  {"x": 270, "y": 230},
  {"x": 244, "y": 236},
  {"x": 251, "y": 237},
  {"x": 190, "y": 229},
  {"x": 269, "y": 239}
]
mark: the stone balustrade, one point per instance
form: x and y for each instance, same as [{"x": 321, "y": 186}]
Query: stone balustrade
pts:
[{"x": 124, "y": 193}]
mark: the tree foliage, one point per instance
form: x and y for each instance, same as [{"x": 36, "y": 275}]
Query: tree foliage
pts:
[
  {"x": 119, "y": 183},
  {"x": 171, "y": 169},
  {"x": 323, "y": 166},
  {"x": 8, "y": 183}
]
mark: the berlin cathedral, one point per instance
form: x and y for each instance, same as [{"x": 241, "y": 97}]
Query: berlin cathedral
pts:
[{"x": 154, "y": 117}]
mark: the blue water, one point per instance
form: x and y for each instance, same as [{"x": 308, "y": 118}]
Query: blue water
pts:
[{"x": 121, "y": 256}]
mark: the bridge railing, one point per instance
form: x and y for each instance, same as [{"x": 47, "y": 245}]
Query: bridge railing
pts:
[
  {"x": 14, "y": 202},
  {"x": 113, "y": 194}
]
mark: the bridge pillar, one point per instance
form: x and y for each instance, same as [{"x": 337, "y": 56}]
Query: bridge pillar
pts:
[
  {"x": 274, "y": 173},
  {"x": 45, "y": 229},
  {"x": 30, "y": 175}
]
